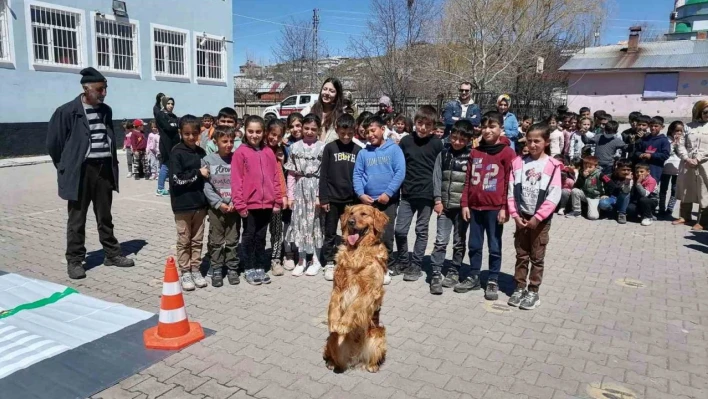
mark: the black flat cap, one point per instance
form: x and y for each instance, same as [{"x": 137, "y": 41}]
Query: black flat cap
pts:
[{"x": 91, "y": 75}]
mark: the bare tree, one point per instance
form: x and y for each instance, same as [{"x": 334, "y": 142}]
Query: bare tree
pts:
[
  {"x": 294, "y": 54},
  {"x": 390, "y": 47},
  {"x": 650, "y": 32},
  {"x": 495, "y": 43}
]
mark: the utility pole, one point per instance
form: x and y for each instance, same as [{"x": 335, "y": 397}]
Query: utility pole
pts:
[{"x": 315, "y": 50}]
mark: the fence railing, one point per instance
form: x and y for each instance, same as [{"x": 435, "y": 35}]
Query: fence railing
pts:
[{"x": 521, "y": 105}]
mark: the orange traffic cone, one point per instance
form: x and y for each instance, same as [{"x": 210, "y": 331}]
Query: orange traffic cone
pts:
[{"x": 174, "y": 331}]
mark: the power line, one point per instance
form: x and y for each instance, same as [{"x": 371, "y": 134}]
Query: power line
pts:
[
  {"x": 279, "y": 17},
  {"x": 295, "y": 26},
  {"x": 347, "y": 18},
  {"x": 346, "y": 12},
  {"x": 257, "y": 34}
]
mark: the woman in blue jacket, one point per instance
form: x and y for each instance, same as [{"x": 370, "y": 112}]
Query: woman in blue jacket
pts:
[{"x": 511, "y": 124}]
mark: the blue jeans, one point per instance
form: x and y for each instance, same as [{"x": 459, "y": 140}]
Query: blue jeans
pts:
[
  {"x": 406, "y": 210},
  {"x": 449, "y": 220},
  {"x": 619, "y": 204},
  {"x": 481, "y": 222},
  {"x": 164, "y": 172}
]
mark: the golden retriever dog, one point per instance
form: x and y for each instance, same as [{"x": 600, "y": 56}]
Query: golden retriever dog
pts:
[{"x": 356, "y": 338}]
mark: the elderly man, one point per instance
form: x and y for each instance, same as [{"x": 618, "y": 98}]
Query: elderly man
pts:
[
  {"x": 82, "y": 145},
  {"x": 462, "y": 108}
]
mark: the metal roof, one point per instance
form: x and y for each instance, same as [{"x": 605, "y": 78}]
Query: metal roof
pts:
[
  {"x": 271, "y": 87},
  {"x": 678, "y": 54}
]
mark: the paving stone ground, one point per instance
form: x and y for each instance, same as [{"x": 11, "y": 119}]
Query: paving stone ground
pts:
[{"x": 592, "y": 333}]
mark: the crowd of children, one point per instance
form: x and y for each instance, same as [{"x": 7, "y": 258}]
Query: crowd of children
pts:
[{"x": 277, "y": 176}]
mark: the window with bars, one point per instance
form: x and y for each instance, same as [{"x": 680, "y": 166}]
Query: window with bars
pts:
[
  {"x": 210, "y": 58},
  {"x": 116, "y": 45},
  {"x": 5, "y": 54},
  {"x": 170, "y": 53},
  {"x": 56, "y": 36}
]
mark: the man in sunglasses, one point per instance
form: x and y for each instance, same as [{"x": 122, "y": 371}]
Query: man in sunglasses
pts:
[{"x": 461, "y": 108}]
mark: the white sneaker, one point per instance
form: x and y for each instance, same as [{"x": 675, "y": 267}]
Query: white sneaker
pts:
[
  {"x": 187, "y": 281},
  {"x": 647, "y": 222},
  {"x": 314, "y": 268},
  {"x": 289, "y": 264},
  {"x": 199, "y": 280},
  {"x": 129, "y": 175},
  {"x": 299, "y": 270},
  {"x": 329, "y": 272},
  {"x": 387, "y": 278},
  {"x": 561, "y": 212}
]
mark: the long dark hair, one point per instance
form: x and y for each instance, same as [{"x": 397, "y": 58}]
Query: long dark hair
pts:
[{"x": 338, "y": 109}]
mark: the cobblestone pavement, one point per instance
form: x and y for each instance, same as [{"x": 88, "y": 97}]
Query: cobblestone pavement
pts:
[{"x": 597, "y": 329}]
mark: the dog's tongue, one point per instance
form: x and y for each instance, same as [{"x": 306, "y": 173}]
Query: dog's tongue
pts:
[{"x": 353, "y": 238}]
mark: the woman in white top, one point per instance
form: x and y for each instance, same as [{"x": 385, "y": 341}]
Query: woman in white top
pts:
[
  {"x": 329, "y": 107},
  {"x": 692, "y": 185}
]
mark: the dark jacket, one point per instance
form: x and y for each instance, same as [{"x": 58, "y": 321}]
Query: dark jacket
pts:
[
  {"x": 614, "y": 187},
  {"x": 592, "y": 185},
  {"x": 156, "y": 110},
  {"x": 659, "y": 148},
  {"x": 420, "y": 155},
  {"x": 68, "y": 139},
  {"x": 167, "y": 124},
  {"x": 449, "y": 176},
  {"x": 186, "y": 182},
  {"x": 336, "y": 184},
  {"x": 454, "y": 108}
]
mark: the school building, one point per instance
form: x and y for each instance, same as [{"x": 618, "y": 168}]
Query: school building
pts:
[
  {"x": 182, "y": 48},
  {"x": 655, "y": 78}
]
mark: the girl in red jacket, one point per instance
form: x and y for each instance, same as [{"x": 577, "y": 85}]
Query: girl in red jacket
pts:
[{"x": 256, "y": 194}]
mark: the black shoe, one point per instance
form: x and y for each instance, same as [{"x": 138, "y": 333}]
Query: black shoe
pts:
[
  {"x": 492, "y": 291},
  {"x": 75, "y": 271},
  {"x": 232, "y": 276},
  {"x": 471, "y": 283},
  {"x": 119, "y": 261},
  {"x": 436, "y": 286},
  {"x": 217, "y": 277},
  {"x": 395, "y": 270},
  {"x": 530, "y": 301},
  {"x": 412, "y": 273},
  {"x": 516, "y": 297},
  {"x": 451, "y": 280}
]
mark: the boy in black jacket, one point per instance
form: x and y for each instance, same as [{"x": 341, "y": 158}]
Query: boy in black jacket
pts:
[
  {"x": 420, "y": 151},
  {"x": 336, "y": 186},
  {"x": 187, "y": 177}
]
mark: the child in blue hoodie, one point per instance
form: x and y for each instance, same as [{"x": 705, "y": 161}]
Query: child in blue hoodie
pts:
[
  {"x": 378, "y": 174},
  {"x": 654, "y": 149}
]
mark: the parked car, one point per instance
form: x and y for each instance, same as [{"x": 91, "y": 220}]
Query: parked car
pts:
[{"x": 292, "y": 104}]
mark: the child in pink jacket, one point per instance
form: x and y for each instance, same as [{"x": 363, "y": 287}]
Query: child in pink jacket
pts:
[
  {"x": 534, "y": 193},
  {"x": 256, "y": 194}
]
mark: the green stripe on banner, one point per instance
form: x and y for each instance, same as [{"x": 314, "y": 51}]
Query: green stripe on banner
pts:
[{"x": 54, "y": 298}]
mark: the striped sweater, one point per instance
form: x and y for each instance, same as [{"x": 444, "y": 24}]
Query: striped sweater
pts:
[{"x": 100, "y": 147}]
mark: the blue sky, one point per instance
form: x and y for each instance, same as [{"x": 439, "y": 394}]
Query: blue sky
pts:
[{"x": 340, "y": 20}]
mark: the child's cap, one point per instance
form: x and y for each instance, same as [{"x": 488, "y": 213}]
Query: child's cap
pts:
[{"x": 138, "y": 123}]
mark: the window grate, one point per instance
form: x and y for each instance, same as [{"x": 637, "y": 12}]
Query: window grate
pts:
[
  {"x": 4, "y": 32},
  {"x": 56, "y": 38},
  {"x": 170, "y": 53},
  {"x": 210, "y": 59},
  {"x": 116, "y": 45}
]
